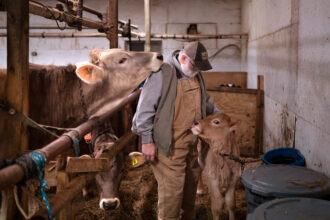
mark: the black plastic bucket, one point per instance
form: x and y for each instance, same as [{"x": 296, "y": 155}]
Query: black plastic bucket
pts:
[
  {"x": 268, "y": 182},
  {"x": 292, "y": 208}
]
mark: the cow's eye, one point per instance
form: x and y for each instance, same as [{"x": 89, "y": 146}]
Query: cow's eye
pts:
[
  {"x": 216, "y": 122},
  {"x": 122, "y": 60}
]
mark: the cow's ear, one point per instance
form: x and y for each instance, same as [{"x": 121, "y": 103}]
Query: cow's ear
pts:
[
  {"x": 89, "y": 73},
  {"x": 234, "y": 126}
]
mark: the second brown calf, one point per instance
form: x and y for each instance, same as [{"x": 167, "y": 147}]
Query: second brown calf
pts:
[{"x": 221, "y": 173}]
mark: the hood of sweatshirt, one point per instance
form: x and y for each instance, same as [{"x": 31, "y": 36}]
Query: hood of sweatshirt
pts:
[{"x": 174, "y": 60}]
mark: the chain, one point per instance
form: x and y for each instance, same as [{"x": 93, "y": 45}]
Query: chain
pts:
[
  {"x": 82, "y": 101},
  {"x": 238, "y": 160},
  {"x": 84, "y": 108}
]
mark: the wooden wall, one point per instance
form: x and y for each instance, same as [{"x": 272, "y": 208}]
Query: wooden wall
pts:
[
  {"x": 240, "y": 104},
  {"x": 215, "y": 79}
]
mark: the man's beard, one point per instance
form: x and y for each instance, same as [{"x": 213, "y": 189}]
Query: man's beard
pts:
[{"x": 188, "y": 71}]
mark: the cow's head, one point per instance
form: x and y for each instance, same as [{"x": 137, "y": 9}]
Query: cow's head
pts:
[
  {"x": 108, "y": 181},
  {"x": 119, "y": 72},
  {"x": 218, "y": 131}
]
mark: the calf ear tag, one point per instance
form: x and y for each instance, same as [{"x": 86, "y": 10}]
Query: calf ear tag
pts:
[{"x": 137, "y": 159}]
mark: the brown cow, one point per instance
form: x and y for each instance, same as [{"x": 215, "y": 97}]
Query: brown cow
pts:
[
  {"x": 110, "y": 76},
  {"x": 117, "y": 72},
  {"x": 221, "y": 173}
]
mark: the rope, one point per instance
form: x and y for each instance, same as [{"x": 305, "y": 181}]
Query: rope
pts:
[
  {"x": 25, "y": 162},
  {"x": 4, "y": 205},
  {"x": 13, "y": 112},
  {"x": 40, "y": 162},
  {"x": 15, "y": 190},
  {"x": 26, "y": 216},
  {"x": 75, "y": 141},
  {"x": 52, "y": 14},
  {"x": 6, "y": 162},
  {"x": 28, "y": 165},
  {"x": 76, "y": 147}
]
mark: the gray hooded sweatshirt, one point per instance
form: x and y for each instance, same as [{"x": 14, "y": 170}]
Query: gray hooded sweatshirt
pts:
[{"x": 155, "y": 111}]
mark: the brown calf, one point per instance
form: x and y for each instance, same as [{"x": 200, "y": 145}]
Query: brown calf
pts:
[{"x": 221, "y": 173}]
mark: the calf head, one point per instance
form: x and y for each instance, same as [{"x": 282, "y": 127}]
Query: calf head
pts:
[
  {"x": 119, "y": 71},
  {"x": 218, "y": 131},
  {"x": 108, "y": 181}
]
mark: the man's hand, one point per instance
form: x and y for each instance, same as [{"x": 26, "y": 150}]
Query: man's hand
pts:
[{"x": 149, "y": 151}]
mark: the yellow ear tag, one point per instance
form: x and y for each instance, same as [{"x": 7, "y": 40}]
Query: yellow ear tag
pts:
[{"x": 134, "y": 161}]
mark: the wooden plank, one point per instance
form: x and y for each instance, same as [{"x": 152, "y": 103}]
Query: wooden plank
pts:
[
  {"x": 112, "y": 21},
  {"x": 259, "y": 122},
  {"x": 260, "y": 114},
  {"x": 50, "y": 174},
  {"x": 85, "y": 165},
  {"x": 16, "y": 89},
  {"x": 62, "y": 182},
  {"x": 63, "y": 199},
  {"x": 243, "y": 107},
  {"x": 232, "y": 90},
  {"x": 215, "y": 79},
  {"x": 17, "y": 82}
]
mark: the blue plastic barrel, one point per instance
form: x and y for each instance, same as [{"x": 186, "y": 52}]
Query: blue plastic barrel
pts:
[{"x": 284, "y": 155}]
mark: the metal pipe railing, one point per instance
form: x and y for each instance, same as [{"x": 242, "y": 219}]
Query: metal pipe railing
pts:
[
  {"x": 134, "y": 34},
  {"x": 13, "y": 174}
]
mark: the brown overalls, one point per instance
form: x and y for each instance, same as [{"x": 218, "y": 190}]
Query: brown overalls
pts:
[{"x": 177, "y": 175}]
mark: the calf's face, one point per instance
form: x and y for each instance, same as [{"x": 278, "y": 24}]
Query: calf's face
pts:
[
  {"x": 217, "y": 130},
  {"x": 108, "y": 181}
]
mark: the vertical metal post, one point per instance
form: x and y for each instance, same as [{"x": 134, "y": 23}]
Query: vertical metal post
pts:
[
  {"x": 112, "y": 21},
  {"x": 147, "y": 22},
  {"x": 17, "y": 85}
]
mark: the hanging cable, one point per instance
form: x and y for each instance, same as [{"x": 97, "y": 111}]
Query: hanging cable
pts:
[{"x": 223, "y": 48}]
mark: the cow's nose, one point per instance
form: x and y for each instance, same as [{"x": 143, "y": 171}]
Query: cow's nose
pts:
[
  {"x": 110, "y": 205},
  {"x": 160, "y": 57},
  {"x": 196, "y": 123}
]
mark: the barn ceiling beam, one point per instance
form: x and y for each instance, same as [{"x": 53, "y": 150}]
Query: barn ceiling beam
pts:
[{"x": 13, "y": 174}]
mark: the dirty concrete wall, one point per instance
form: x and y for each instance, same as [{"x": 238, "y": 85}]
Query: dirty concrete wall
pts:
[
  {"x": 289, "y": 44},
  {"x": 173, "y": 17}
]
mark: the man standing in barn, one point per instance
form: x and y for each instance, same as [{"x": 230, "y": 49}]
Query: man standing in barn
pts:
[{"x": 171, "y": 101}]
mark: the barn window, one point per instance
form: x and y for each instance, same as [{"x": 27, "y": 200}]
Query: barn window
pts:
[{"x": 156, "y": 46}]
